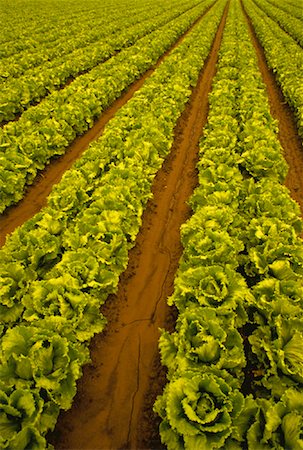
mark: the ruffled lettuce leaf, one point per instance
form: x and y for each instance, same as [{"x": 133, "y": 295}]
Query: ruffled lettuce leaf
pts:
[
  {"x": 62, "y": 298},
  {"x": 35, "y": 247},
  {"x": 198, "y": 410},
  {"x": 213, "y": 286},
  {"x": 274, "y": 297},
  {"x": 13, "y": 279},
  {"x": 273, "y": 248},
  {"x": 25, "y": 418},
  {"x": 279, "y": 348},
  {"x": 90, "y": 273},
  {"x": 268, "y": 198},
  {"x": 261, "y": 151},
  {"x": 215, "y": 219},
  {"x": 275, "y": 425},
  {"x": 203, "y": 339},
  {"x": 207, "y": 247},
  {"x": 217, "y": 185},
  {"x": 33, "y": 357}
]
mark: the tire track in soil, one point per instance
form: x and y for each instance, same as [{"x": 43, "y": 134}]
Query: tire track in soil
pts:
[
  {"x": 113, "y": 406},
  {"x": 35, "y": 197},
  {"x": 281, "y": 111}
]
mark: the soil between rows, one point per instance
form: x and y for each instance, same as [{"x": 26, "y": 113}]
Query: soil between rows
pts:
[
  {"x": 116, "y": 393},
  {"x": 35, "y": 197},
  {"x": 113, "y": 407},
  {"x": 288, "y": 132}
]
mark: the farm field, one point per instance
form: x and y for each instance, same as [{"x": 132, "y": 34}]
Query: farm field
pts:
[{"x": 151, "y": 198}]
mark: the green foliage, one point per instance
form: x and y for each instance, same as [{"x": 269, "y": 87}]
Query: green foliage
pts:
[
  {"x": 204, "y": 338},
  {"x": 238, "y": 288},
  {"x": 198, "y": 410},
  {"x": 61, "y": 265}
]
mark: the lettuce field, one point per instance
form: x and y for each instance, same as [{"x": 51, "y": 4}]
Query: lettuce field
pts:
[{"x": 151, "y": 199}]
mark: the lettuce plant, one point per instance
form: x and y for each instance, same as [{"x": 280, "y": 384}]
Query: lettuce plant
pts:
[
  {"x": 279, "y": 349},
  {"x": 203, "y": 339},
  {"x": 24, "y": 418},
  {"x": 61, "y": 299},
  {"x": 266, "y": 424},
  {"x": 215, "y": 286},
  {"x": 268, "y": 198},
  {"x": 198, "y": 410},
  {"x": 273, "y": 248},
  {"x": 206, "y": 247},
  {"x": 38, "y": 358},
  {"x": 274, "y": 297}
]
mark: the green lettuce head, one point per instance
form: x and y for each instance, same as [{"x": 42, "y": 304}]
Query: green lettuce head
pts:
[
  {"x": 92, "y": 275},
  {"x": 219, "y": 185},
  {"x": 13, "y": 279},
  {"x": 198, "y": 411},
  {"x": 268, "y": 198},
  {"x": 267, "y": 425},
  {"x": 275, "y": 297},
  {"x": 36, "y": 358},
  {"x": 25, "y": 418},
  {"x": 203, "y": 339},
  {"x": 279, "y": 348},
  {"x": 273, "y": 248},
  {"x": 214, "y": 286},
  {"x": 61, "y": 298},
  {"x": 207, "y": 247}
]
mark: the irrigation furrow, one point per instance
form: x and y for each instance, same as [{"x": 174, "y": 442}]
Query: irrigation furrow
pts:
[
  {"x": 46, "y": 130},
  {"x": 288, "y": 131},
  {"x": 149, "y": 276},
  {"x": 36, "y": 195},
  {"x": 19, "y": 94},
  {"x": 109, "y": 188},
  {"x": 289, "y": 24}
]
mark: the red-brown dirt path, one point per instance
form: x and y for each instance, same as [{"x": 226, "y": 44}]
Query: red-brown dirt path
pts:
[
  {"x": 109, "y": 411},
  {"x": 288, "y": 132},
  {"x": 36, "y": 195}
]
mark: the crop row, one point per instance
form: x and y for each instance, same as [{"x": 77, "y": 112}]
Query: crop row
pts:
[
  {"x": 97, "y": 29},
  {"x": 293, "y": 9},
  {"x": 18, "y": 94},
  {"x": 235, "y": 367},
  {"x": 290, "y": 24},
  {"x": 283, "y": 55},
  {"x": 47, "y": 129},
  {"x": 50, "y": 25},
  {"x": 59, "y": 267}
]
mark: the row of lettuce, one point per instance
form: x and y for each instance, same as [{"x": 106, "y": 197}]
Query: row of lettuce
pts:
[
  {"x": 235, "y": 365},
  {"x": 60, "y": 266},
  {"x": 26, "y": 27},
  {"x": 48, "y": 43},
  {"x": 293, "y": 8},
  {"x": 283, "y": 55},
  {"x": 47, "y": 129},
  {"x": 292, "y": 25},
  {"x": 40, "y": 47},
  {"x": 19, "y": 93}
]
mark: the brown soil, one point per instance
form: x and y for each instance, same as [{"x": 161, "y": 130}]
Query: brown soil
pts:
[
  {"x": 36, "y": 195},
  {"x": 288, "y": 132},
  {"x": 113, "y": 407}
]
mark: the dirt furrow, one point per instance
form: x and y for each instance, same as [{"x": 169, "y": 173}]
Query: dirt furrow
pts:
[
  {"x": 36, "y": 195},
  {"x": 110, "y": 409},
  {"x": 288, "y": 132}
]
